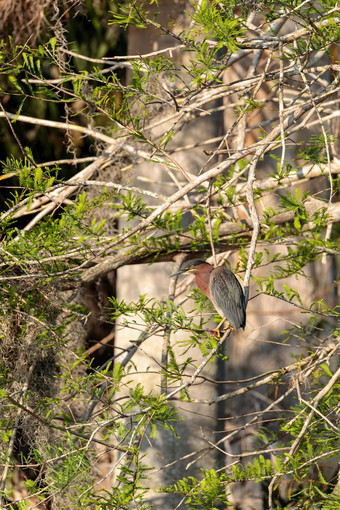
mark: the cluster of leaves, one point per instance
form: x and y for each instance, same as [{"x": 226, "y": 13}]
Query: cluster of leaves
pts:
[
  {"x": 204, "y": 494},
  {"x": 35, "y": 261}
]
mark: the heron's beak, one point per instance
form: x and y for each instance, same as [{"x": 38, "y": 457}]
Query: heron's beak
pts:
[{"x": 182, "y": 271}]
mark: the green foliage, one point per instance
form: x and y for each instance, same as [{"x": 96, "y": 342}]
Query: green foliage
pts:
[
  {"x": 208, "y": 493},
  {"x": 214, "y": 20},
  {"x": 72, "y": 414},
  {"x": 260, "y": 469},
  {"x": 125, "y": 15},
  {"x": 315, "y": 150},
  {"x": 130, "y": 490}
]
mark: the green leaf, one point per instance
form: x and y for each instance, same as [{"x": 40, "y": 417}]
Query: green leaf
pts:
[
  {"x": 297, "y": 223},
  {"x": 53, "y": 42},
  {"x": 13, "y": 80}
]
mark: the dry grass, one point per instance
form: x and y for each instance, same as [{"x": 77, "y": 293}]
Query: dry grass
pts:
[{"x": 22, "y": 19}]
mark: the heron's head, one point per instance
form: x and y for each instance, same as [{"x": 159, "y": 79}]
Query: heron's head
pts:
[{"x": 194, "y": 267}]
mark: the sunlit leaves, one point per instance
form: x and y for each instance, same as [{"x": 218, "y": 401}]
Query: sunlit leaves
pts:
[
  {"x": 315, "y": 150},
  {"x": 37, "y": 263},
  {"x": 212, "y": 19}
]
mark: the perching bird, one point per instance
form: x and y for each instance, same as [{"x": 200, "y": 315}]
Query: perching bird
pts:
[{"x": 222, "y": 287}]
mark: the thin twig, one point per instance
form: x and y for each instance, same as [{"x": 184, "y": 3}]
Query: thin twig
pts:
[
  {"x": 99, "y": 344},
  {"x": 129, "y": 354},
  {"x": 8, "y": 116},
  {"x": 179, "y": 259},
  {"x": 267, "y": 378},
  {"x": 302, "y": 432},
  {"x": 256, "y": 227},
  {"x": 210, "y": 230},
  {"x": 281, "y": 109}
]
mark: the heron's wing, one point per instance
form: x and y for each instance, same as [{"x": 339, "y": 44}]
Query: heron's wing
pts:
[{"x": 227, "y": 294}]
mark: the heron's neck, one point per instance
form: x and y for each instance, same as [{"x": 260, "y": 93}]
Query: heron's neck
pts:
[{"x": 202, "y": 281}]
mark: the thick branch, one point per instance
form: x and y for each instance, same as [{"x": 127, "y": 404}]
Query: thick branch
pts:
[{"x": 121, "y": 259}]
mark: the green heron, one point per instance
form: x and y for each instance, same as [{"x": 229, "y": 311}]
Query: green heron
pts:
[{"x": 223, "y": 289}]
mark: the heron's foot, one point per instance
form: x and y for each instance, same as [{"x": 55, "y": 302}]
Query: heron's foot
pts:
[
  {"x": 228, "y": 326},
  {"x": 216, "y": 332}
]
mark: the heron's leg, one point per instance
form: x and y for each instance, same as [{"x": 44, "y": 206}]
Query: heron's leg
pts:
[{"x": 217, "y": 331}]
